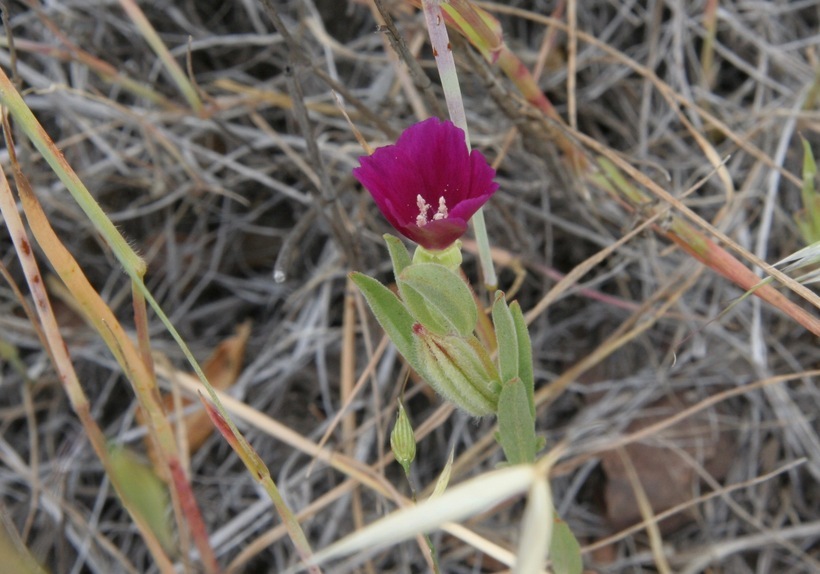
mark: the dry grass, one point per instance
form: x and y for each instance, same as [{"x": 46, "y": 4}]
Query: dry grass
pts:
[{"x": 219, "y": 201}]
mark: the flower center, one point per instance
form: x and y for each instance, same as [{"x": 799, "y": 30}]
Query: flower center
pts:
[{"x": 421, "y": 218}]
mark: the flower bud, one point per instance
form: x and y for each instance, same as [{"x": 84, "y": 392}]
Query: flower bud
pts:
[
  {"x": 459, "y": 369},
  {"x": 402, "y": 440}
]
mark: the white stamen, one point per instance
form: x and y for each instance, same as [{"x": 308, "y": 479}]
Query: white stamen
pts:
[
  {"x": 421, "y": 218},
  {"x": 442, "y": 210}
]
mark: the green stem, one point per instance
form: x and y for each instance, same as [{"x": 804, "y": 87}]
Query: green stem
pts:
[{"x": 26, "y": 120}]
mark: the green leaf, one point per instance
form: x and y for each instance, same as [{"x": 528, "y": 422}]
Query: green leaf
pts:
[
  {"x": 516, "y": 427},
  {"x": 143, "y": 492},
  {"x": 390, "y": 313},
  {"x": 525, "y": 372},
  {"x": 505, "y": 334},
  {"x": 398, "y": 254},
  {"x": 565, "y": 551},
  {"x": 438, "y": 298},
  {"x": 808, "y": 220}
]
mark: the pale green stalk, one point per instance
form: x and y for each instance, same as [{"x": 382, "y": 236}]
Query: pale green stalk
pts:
[
  {"x": 440, "y": 41},
  {"x": 26, "y": 121}
]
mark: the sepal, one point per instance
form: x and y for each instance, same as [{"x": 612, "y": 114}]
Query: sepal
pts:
[
  {"x": 399, "y": 255},
  {"x": 525, "y": 371},
  {"x": 506, "y": 338},
  {"x": 450, "y": 256}
]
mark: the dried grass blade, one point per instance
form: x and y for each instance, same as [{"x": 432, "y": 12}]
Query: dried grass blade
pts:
[
  {"x": 174, "y": 69},
  {"x": 58, "y": 351}
]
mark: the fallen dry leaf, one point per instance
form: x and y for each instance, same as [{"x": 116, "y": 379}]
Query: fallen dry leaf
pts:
[{"x": 666, "y": 477}]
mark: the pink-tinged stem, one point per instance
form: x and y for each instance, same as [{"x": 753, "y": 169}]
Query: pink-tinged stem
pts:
[
  {"x": 692, "y": 241},
  {"x": 190, "y": 509},
  {"x": 484, "y": 33}
]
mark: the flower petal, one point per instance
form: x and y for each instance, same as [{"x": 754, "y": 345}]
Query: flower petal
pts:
[
  {"x": 436, "y": 235},
  {"x": 431, "y": 160}
]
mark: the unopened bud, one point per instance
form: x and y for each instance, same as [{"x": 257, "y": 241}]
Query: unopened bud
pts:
[
  {"x": 402, "y": 440},
  {"x": 459, "y": 369}
]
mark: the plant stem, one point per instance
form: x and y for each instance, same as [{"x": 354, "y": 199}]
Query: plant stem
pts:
[{"x": 443, "y": 53}]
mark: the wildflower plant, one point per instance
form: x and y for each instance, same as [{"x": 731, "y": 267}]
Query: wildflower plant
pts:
[
  {"x": 433, "y": 318},
  {"x": 428, "y": 185}
]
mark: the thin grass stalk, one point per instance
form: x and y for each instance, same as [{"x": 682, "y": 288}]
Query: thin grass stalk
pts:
[
  {"x": 109, "y": 328},
  {"x": 420, "y": 78},
  {"x": 707, "y": 51},
  {"x": 648, "y": 515},
  {"x": 161, "y": 50},
  {"x": 241, "y": 446},
  {"x": 181, "y": 500},
  {"x": 693, "y": 241},
  {"x": 681, "y": 232},
  {"x": 99, "y": 315},
  {"x": 27, "y": 122},
  {"x": 484, "y": 32},
  {"x": 133, "y": 265},
  {"x": 347, "y": 371},
  {"x": 701, "y": 247},
  {"x": 259, "y": 471}
]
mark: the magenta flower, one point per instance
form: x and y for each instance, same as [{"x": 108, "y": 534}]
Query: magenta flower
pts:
[{"x": 428, "y": 185}]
